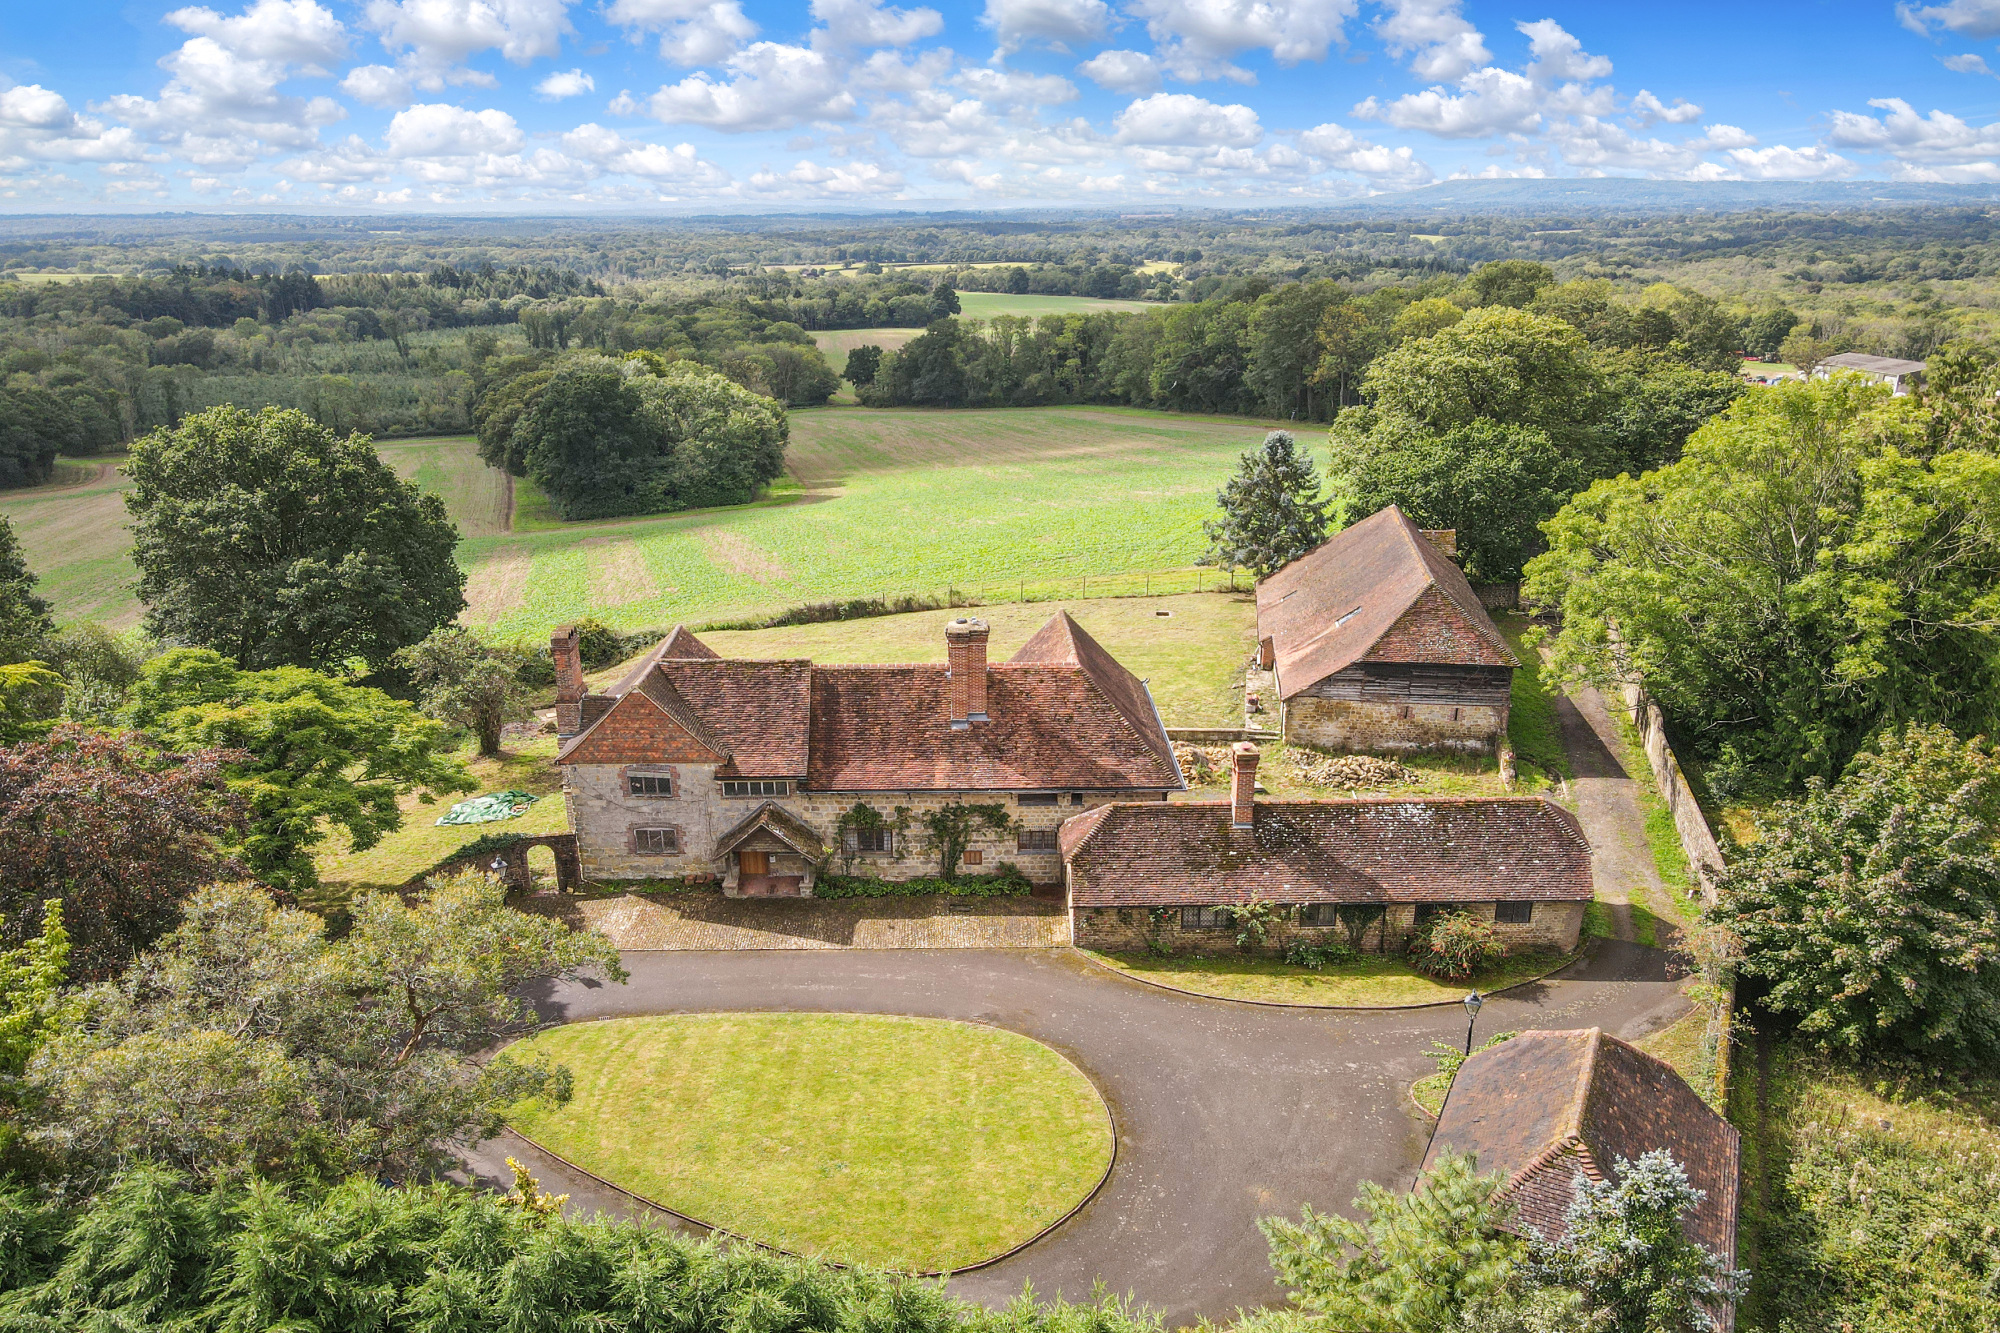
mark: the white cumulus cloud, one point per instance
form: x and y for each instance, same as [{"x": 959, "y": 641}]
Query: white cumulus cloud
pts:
[
  {"x": 565, "y": 83},
  {"x": 1182, "y": 119},
  {"x": 1967, "y": 18},
  {"x": 849, "y": 24},
  {"x": 1056, "y": 22},
  {"x": 1198, "y": 37},
  {"x": 1444, "y": 45},
  {"x": 770, "y": 87},
  {"x": 1342, "y": 150},
  {"x": 437, "y": 33},
  {"x": 692, "y": 32},
  {"x": 1782, "y": 163},
  {"x": 1649, "y": 110},
  {"x": 1122, "y": 71}
]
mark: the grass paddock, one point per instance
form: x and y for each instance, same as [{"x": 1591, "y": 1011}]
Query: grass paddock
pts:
[{"x": 913, "y": 1144}]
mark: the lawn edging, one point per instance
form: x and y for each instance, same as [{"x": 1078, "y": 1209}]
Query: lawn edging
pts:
[
  {"x": 1556, "y": 965},
  {"x": 1103, "y": 1103}
]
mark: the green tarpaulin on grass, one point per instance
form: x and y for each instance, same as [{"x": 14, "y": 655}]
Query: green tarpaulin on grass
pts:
[{"x": 486, "y": 809}]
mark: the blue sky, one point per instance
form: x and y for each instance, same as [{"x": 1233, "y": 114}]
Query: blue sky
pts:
[{"x": 572, "y": 105}]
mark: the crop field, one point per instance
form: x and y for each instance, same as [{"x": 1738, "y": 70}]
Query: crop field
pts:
[
  {"x": 75, "y": 539},
  {"x": 835, "y": 344},
  {"x": 878, "y": 502},
  {"x": 886, "y": 502}
]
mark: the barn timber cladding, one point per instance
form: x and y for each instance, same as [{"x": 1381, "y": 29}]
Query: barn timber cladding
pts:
[{"x": 1377, "y": 642}]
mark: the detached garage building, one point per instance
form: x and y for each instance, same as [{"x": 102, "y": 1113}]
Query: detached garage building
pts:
[{"x": 1377, "y": 643}]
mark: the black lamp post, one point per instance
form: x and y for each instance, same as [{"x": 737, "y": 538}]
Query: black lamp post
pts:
[{"x": 1472, "y": 1006}]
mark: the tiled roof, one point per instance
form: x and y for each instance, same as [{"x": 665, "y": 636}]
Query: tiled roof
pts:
[
  {"x": 1359, "y": 851},
  {"x": 887, "y": 728},
  {"x": 1378, "y": 591},
  {"x": 1544, "y": 1105},
  {"x": 781, "y": 824},
  {"x": 756, "y": 710},
  {"x": 1064, "y": 715},
  {"x": 678, "y": 643}
]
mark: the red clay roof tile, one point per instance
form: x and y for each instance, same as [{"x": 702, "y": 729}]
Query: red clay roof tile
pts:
[
  {"x": 1375, "y": 591},
  {"x": 1544, "y": 1105},
  {"x": 1360, "y": 851}
]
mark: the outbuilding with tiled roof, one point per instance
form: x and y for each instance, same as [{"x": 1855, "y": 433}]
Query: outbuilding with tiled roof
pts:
[
  {"x": 1544, "y": 1108},
  {"x": 1376, "y": 642},
  {"x": 1366, "y": 871}
]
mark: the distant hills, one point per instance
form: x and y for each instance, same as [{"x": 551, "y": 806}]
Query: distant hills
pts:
[{"x": 1619, "y": 194}]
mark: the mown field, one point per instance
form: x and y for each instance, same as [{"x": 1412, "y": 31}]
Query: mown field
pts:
[
  {"x": 985, "y": 305},
  {"x": 904, "y": 501}
]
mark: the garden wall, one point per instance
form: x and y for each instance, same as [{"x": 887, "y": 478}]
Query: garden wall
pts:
[{"x": 1704, "y": 855}]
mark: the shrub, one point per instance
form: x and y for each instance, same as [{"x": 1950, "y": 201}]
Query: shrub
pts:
[
  {"x": 1313, "y": 957},
  {"x": 1454, "y": 946}
]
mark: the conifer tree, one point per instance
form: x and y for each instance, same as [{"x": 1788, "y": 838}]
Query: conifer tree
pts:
[{"x": 1272, "y": 512}]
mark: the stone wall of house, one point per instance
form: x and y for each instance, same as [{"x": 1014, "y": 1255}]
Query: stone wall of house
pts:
[
  {"x": 605, "y": 817},
  {"x": 1349, "y": 725},
  {"x": 1129, "y": 929}
]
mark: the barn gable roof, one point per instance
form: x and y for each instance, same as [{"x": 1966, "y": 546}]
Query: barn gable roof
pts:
[{"x": 1377, "y": 591}]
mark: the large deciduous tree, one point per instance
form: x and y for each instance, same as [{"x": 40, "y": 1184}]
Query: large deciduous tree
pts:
[
  {"x": 315, "y": 753},
  {"x": 1803, "y": 576},
  {"x": 1272, "y": 512},
  {"x": 1493, "y": 484},
  {"x": 269, "y": 538},
  {"x": 1872, "y": 906},
  {"x": 467, "y": 683},
  {"x": 1497, "y": 364},
  {"x": 614, "y": 439},
  {"x": 249, "y": 1043},
  {"x": 123, "y": 833}
]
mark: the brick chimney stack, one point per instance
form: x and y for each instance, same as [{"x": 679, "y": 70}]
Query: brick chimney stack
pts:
[
  {"x": 1242, "y": 785},
  {"x": 965, "y": 651},
  {"x": 565, "y": 649}
]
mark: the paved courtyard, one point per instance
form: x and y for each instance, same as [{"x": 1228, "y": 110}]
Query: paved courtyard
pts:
[{"x": 1225, "y": 1112}]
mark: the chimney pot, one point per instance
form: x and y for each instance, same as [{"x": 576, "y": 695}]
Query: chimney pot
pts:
[
  {"x": 566, "y": 651},
  {"x": 965, "y": 652},
  {"x": 1243, "y": 785}
]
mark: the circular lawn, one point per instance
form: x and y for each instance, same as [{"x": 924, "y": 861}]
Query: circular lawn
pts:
[{"x": 909, "y": 1143}]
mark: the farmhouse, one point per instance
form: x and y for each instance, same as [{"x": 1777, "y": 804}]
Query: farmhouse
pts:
[
  {"x": 1544, "y": 1107},
  {"x": 1901, "y": 376},
  {"x": 1362, "y": 872},
  {"x": 760, "y": 773},
  {"x": 1376, "y": 642}
]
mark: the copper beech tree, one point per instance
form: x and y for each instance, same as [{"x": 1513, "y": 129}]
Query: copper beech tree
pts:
[{"x": 122, "y": 832}]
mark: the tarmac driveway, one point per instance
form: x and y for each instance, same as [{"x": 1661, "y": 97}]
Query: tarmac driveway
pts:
[{"x": 1225, "y": 1111}]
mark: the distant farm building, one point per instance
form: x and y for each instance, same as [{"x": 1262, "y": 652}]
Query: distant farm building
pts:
[{"x": 1901, "y": 376}]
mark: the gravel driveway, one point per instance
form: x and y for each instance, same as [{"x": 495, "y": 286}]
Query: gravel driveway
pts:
[{"x": 1225, "y": 1111}]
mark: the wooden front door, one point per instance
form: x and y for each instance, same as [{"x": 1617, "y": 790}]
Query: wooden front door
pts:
[{"x": 753, "y": 873}]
